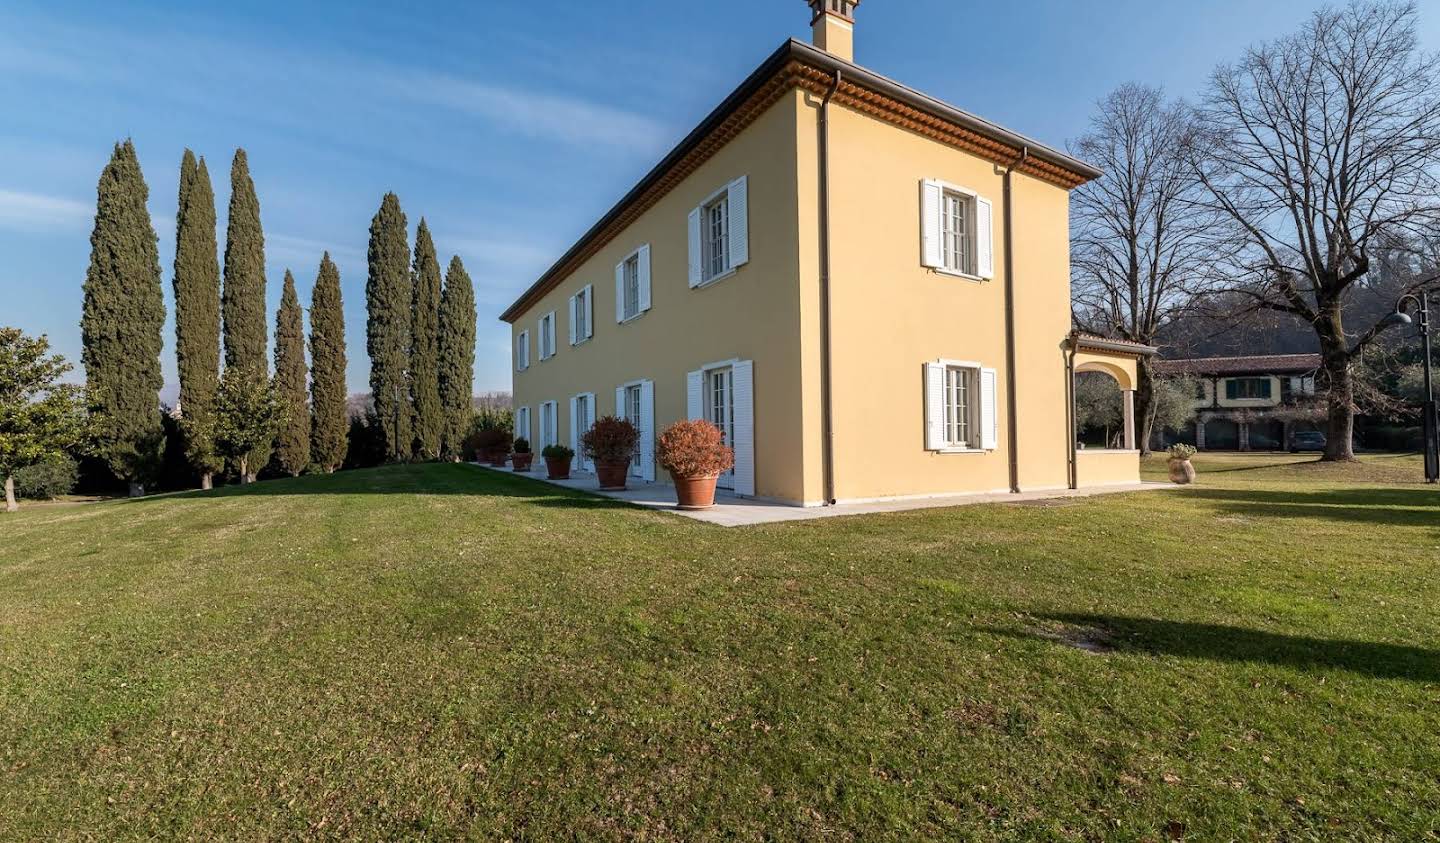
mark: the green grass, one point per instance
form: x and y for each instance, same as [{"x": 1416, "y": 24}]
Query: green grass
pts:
[{"x": 434, "y": 651}]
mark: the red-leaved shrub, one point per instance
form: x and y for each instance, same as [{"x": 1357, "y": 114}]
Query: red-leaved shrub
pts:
[
  {"x": 611, "y": 440},
  {"x": 694, "y": 449}
]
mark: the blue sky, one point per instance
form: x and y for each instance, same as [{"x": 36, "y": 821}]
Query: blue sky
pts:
[{"x": 511, "y": 126}]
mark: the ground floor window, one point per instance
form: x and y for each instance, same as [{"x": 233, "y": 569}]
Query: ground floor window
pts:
[
  {"x": 960, "y": 405},
  {"x": 549, "y": 434}
]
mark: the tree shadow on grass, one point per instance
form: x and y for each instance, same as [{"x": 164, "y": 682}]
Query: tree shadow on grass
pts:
[
  {"x": 412, "y": 479},
  {"x": 1389, "y": 506},
  {"x": 1214, "y": 642}
]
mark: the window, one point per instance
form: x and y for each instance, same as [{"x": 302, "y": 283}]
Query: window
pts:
[
  {"x": 632, "y": 411},
  {"x": 546, "y": 336},
  {"x": 630, "y": 287},
  {"x": 582, "y": 418},
  {"x": 548, "y": 430},
  {"x": 719, "y": 234},
  {"x": 522, "y": 351},
  {"x": 715, "y": 237},
  {"x": 522, "y": 423},
  {"x": 957, "y": 230},
  {"x": 957, "y": 240},
  {"x": 582, "y": 312},
  {"x": 960, "y": 406},
  {"x": 1247, "y": 389}
]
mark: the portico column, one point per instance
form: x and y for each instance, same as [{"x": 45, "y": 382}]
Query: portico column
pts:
[
  {"x": 1200, "y": 432},
  {"x": 1129, "y": 408}
]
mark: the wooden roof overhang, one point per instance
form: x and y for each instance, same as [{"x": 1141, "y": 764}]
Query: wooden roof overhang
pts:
[{"x": 797, "y": 65}]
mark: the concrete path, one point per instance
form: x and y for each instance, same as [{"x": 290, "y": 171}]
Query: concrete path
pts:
[{"x": 730, "y": 511}]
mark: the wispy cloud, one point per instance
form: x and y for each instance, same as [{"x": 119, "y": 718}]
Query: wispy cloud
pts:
[
  {"x": 553, "y": 116},
  {"x": 35, "y": 211}
]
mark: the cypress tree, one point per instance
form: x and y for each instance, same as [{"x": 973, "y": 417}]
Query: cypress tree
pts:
[
  {"x": 424, "y": 347},
  {"x": 387, "y": 328},
  {"x": 243, "y": 299},
  {"x": 122, "y": 320},
  {"x": 292, "y": 440},
  {"x": 328, "y": 424},
  {"x": 457, "y": 356},
  {"x": 197, "y": 315}
]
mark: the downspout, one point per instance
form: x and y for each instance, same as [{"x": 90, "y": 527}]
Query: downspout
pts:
[
  {"x": 827, "y": 416},
  {"x": 1011, "y": 403},
  {"x": 1072, "y": 458}
]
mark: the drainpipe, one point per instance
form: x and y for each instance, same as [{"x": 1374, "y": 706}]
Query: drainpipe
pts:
[
  {"x": 827, "y": 417},
  {"x": 1012, "y": 424},
  {"x": 1073, "y": 470}
]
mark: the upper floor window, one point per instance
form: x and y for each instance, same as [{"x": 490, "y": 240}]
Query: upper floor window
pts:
[
  {"x": 1248, "y": 388},
  {"x": 630, "y": 294},
  {"x": 720, "y": 233},
  {"x": 958, "y": 230},
  {"x": 546, "y": 336},
  {"x": 522, "y": 351},
  {"x": 582, "y": 315}
]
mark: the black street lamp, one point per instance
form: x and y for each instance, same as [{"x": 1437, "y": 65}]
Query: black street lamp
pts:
[{"x": 1432, "y": 416}]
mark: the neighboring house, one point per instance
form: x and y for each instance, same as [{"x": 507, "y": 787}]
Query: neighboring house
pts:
[
  {"x": 823, "y": 268},
  {"x": 1249, "y": 403}
]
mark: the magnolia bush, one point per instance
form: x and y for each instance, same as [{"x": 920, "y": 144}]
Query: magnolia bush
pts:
[{"x": 694, "y": 449}]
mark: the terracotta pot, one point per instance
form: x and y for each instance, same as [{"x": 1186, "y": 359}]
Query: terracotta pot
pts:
[
  {"x": 498, "y": 456},
  {"x": 557, "y": 469},
  {"x": 1182, "y": 472},
  {"x": 695, "y": 492},
  {"x": 612, "y": 475},
  {"x": 522, "y": 461}
]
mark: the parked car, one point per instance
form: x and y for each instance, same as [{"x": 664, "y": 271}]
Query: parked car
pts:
[{"x": 1306, "y": 440}]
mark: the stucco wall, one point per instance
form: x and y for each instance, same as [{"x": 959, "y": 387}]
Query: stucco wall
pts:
[
  {"x": 1106, "y": 468},
  {"x": 754, "y": 314},
  {"x": 892, "y": 315}
]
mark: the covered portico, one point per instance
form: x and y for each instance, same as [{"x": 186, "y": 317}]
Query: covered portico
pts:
[{"x": 1119, "y": 360}]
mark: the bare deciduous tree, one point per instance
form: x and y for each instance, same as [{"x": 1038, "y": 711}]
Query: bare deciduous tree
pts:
[
  {"x": 1321, "y": 148},
  {"x": 1142, "y": 236}
]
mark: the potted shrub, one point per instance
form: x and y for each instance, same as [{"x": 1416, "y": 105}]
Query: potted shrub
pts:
[
  {"x": 523, "y": 456},
  {"x": 611, "y": 444},
  {"x": 557, "y": 461},
  {"x": 695, "y": 453},
  {"x": 1181, "y": 471}
]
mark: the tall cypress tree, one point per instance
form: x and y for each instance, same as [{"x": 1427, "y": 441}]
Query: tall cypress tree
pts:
[
  {"x": 243, "y": 299},
  {"x": 292, "y": 440},
  {"x": 328, "y": 421},
  {"x": 457, "y": 356},
  {"x": 425, "y": 347},
  {"x": 387, "y": 328},
  {"x": 123, "y": 316},
  {"x": 197, "y": 315}
]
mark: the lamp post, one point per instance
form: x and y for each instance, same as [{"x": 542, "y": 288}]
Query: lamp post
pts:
[{"x": 1431, "y": 422}]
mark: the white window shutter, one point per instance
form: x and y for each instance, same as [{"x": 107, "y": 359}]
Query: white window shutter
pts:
[
  {"x": 620, "y": 409},
  {"x": 644, "y": 262},
  {"x": 989, "y": 409},
  {"x": 647, "y": 431},
  {"x": 739, "y": 196},
  {"x": 540, "y": 338},
  {"x": 573, "y": 312},
  {"x": 589, "y": 311},
  {"x": 575, "y": 427},
  {"x": 743, "y": 379},
  {"x": 620, "y": 292},
  {"x": 696, "y": 259},
  {"x": 930, "y": 196},
  {"x": 984, "y": 238},
  {"x": 695, "y": 395},
  {"x": 934, "y": 407}
]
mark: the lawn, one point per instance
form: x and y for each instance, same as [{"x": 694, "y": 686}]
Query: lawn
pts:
[{"x": 436, "y": 651}]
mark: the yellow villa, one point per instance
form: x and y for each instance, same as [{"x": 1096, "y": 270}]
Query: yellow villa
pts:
[{"x": 866, "y": 289}]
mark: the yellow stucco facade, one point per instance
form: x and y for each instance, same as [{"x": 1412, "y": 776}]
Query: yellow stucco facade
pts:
[{"x": 890, "y": 315}]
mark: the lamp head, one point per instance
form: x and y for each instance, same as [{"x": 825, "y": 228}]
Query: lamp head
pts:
[{"x": 1396, "y": 318}]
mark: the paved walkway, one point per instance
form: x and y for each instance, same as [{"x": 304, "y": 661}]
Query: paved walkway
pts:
[{"x": 730, "y": 511}]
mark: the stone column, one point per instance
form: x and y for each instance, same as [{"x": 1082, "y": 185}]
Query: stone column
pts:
[
  {"x": 1129, "y": 409},
  {"x": 1200, "y": 432}
]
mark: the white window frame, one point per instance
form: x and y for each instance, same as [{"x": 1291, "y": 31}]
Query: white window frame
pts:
[
  {"x": 977, "y": 410},
  {"x": 522, "y": 425},
  {"x": 582, "y": 315},
  {"x": 967, "y": 266},
  {"x": 975, "y": 270},
  {"x": 546, "y": 336},
  {"x": 714, "y": 248},
  {"x": 734, "y": 199},
  {"x": 549, "y": 433},
  {"x": 522, "y": 351},
  {"x": 962, "y": 378},
  {"x": 640, "y": 259}
]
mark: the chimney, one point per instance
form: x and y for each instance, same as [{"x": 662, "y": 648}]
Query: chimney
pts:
[{"x": 834, "y": 26}]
